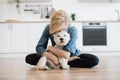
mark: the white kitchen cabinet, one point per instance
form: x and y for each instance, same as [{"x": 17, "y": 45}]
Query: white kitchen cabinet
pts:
[
  {"x": 4, "y": 38},
  {"x": 34, "y": 33},
  {"x": 18, "y": 37},
  {"x": 13, "y": 37},
  {"x": 113, "y": 36}
]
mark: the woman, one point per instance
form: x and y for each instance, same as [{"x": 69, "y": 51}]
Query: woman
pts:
[{"x": 60, "y": 21}]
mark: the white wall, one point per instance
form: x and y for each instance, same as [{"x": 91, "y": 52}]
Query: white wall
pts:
[
  {"x": 89, "y": 11},
  {"x": 84, "y": 11}
]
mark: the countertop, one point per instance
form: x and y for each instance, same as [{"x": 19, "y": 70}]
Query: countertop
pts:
[{"x": 47, "y": 21}]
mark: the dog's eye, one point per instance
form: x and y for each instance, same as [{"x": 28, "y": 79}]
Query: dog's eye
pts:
[
  {"x": 58, "y": 36},
  {"x": 64, "y": 35}
]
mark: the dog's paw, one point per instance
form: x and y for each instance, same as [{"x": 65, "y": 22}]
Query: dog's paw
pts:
[
  {"x": 42, "y": 68},
  {"x": 42, "y": 63},
  {"x": 63, "y": 63},
  {"x": 65, "y": 67}
]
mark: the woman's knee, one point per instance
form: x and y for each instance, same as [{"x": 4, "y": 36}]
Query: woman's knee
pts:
[
  {"x": 94, "y": 60},
  {"x": 28, "y": 58},
  {"x": 32, "y": 59}
]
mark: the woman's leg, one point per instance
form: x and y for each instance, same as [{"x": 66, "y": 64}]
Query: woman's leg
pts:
[
  {"x": 85, "y": 61},
  {"x": 32, "y": 59}
]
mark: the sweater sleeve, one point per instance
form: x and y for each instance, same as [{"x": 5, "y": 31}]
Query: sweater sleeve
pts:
[{"x": 42, "y": 43}]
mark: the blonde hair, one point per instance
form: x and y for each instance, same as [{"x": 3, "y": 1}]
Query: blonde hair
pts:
[{"x": 59, "y": 21}]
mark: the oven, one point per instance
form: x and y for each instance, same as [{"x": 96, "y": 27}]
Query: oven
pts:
[{"x": 94, "y": 33}]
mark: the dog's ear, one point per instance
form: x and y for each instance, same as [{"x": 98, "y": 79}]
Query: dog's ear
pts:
[{"x": 54, "y": 34}]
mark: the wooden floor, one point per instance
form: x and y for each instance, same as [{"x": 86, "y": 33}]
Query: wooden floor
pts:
[{"x": 17, "y": 69}]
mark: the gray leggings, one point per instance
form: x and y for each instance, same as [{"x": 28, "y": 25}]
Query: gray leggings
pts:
[{"x": 85, "y": 61}]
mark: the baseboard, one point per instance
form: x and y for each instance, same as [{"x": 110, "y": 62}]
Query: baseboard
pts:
[
  {"x": 13, "y": 54},
  {"x": 104, "y": 53}
]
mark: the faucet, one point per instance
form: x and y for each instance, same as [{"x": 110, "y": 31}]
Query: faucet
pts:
[{"x": 118, "y": 14}]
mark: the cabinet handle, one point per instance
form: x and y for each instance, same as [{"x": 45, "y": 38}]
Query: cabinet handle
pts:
[{"x": 10, "y": 26}]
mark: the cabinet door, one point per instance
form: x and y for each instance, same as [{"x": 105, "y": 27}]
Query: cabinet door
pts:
[
  {"x": 113, "y": 36},
  {"x": 34, "y": 33},
  {"x": 4, "y": 38},
  {"x": 18, "y": 37}
]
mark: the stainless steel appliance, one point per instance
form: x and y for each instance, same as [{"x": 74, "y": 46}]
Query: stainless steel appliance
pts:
[{"x": 94, "y": 33}]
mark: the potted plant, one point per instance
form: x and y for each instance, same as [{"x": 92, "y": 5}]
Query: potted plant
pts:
[{"x": 73, "y": 16}]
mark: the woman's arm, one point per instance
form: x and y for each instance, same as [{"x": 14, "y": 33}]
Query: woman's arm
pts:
[
  {"x": 42, "y": 44},
  {"x": 52, "y": 57},
  {"x": 58, "y": 52}
]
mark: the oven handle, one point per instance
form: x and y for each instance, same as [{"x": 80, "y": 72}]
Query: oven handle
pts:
[{"x": 94, "y": 27}]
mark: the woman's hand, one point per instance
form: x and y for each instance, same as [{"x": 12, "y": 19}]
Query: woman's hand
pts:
[
  {"x": 49, "y": 48},
  {"x": 73, "y": 58}
]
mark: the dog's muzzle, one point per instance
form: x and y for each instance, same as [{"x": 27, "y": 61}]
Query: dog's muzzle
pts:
[{"x": 61, "y": 40}]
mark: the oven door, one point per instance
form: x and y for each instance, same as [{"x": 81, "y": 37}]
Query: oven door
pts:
[{"x": 94, "y": 35}]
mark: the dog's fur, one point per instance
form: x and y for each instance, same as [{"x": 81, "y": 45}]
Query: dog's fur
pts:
[{"x": 61, "y": 39}]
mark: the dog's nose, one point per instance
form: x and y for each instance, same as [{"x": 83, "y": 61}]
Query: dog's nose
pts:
[{"x": 61, "y": 39}]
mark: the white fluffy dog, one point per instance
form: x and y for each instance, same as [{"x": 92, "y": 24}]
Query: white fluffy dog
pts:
[{"x": 61, "y": 39}]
